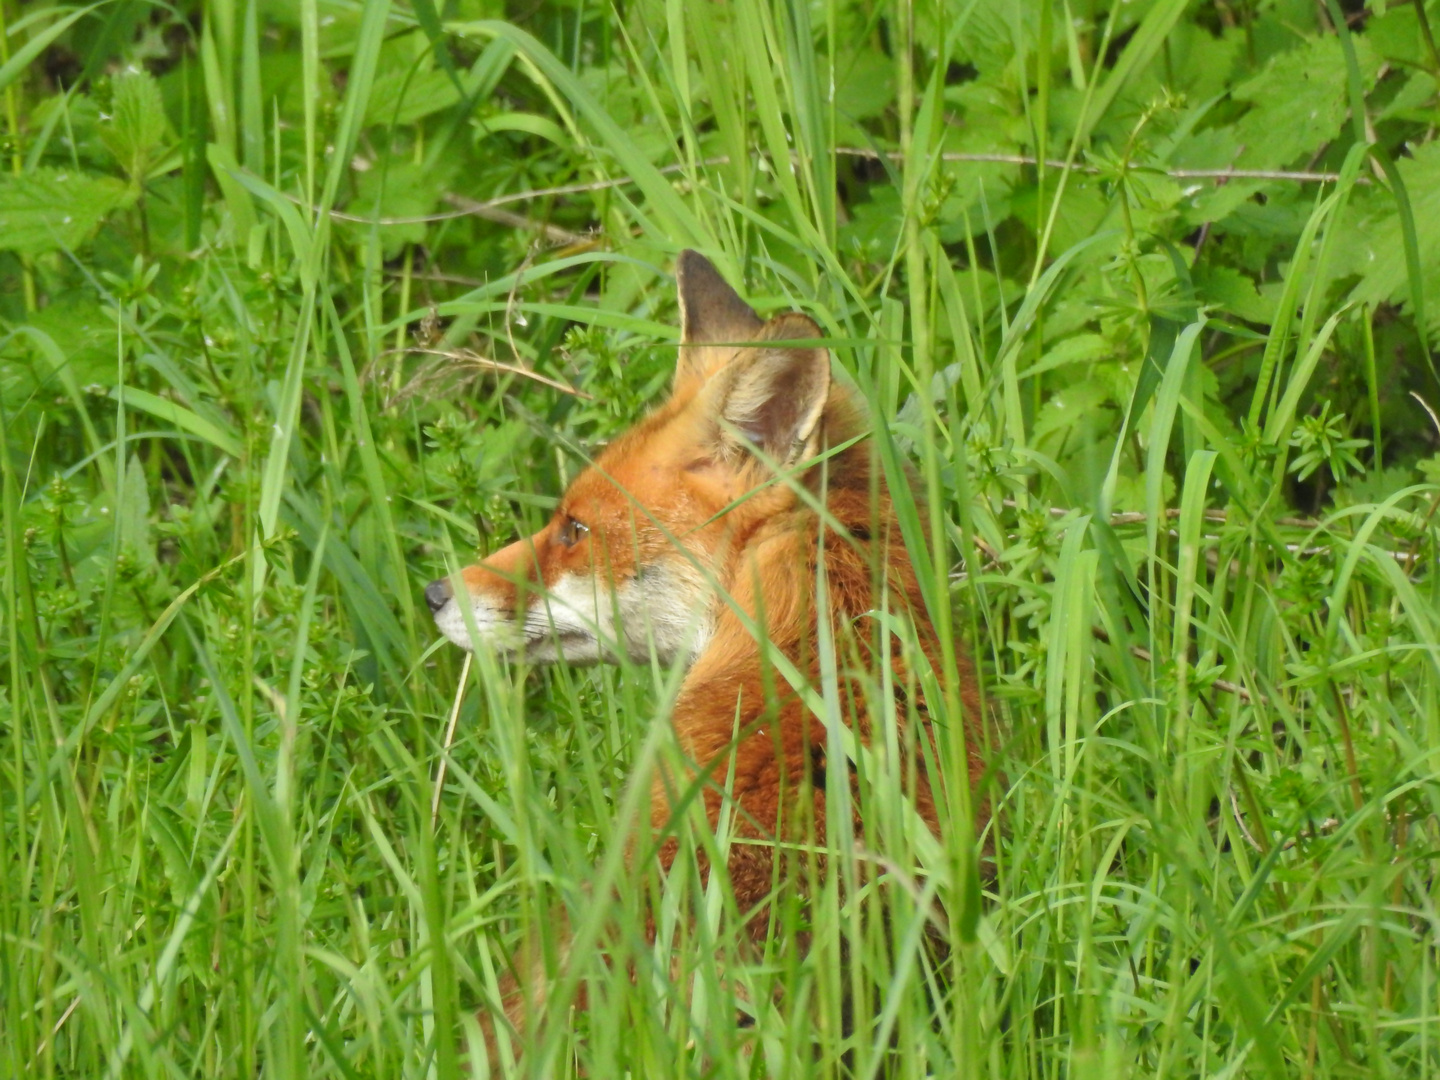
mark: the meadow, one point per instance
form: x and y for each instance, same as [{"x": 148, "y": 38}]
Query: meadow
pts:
[{"x": 304, "y": 303}]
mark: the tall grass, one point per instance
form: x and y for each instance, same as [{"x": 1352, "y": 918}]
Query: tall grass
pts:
[{"x": 222, "y": 847}]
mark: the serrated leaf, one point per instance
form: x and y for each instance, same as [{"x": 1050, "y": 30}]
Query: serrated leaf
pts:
[
  {"x": 1067, "y": 407},
  {"x": 1373, "y": 487},
  {"x": 81, "y": 337},
  {"x": 874, "y": 226},
  {"x": 1396, "y": 36},
  {"x": 1077, "y": 349},
  {"x": 1201, "y": 64},
  {"x": 1130, "y": 493},
  {"x": 401, "y": 189},
  {"x": 1298, "y": 103},
  {"x": 134, "y": 514},
  {"x": 866, "y": 85},
  {"x": 1412, "y": 102},
  {"x": 137, "y": 129},
  {"x": 1216, "y": 202},
  {"x": 53, "y": 209},
  {"x": 990, "y": 32},
  {"x": 1375, "y": 245},
  {"x": 400, "y": 97},
  {"x": 1228, "y": 290}
]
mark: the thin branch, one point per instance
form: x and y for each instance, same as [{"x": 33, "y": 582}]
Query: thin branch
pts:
[
  {"x": 474, "y": 359},
  {"x": 487, "y": 209},
  {"x": 554, "y": 233},
  {"x": 1301, "y": 176},
  {"x": 1143, "y": 655},
  {"x": 1099, "y": 633},
  {"x": 1135, "y": 517},
  {"x": 1240, "y": 821},
  {"x": 480, "y": 209},
  {"x": 1220, "y": 517}
]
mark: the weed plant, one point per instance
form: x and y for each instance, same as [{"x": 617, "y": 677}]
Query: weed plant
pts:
[{"x": 303, "y": 304}]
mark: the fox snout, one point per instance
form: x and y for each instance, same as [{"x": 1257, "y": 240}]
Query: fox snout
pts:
[{"x": 438, "y": 594}]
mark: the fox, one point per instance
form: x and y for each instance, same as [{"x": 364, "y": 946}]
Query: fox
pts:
[{"x": 719, "y": 533}]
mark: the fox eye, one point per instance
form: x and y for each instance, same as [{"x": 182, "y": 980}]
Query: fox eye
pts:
[{"x": 572, "y": 532}]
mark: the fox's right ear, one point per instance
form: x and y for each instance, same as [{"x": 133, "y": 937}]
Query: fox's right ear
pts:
[
  {"x": 774, "y": 399},
  {"x": 714, "y": 321}
]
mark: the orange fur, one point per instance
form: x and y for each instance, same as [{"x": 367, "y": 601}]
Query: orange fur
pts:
[{"x": 647, "y": 529}]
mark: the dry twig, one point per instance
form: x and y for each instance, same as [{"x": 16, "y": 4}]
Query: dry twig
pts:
[
  {"x": 473, "y": 359},
  {"x": 489, "y": 208}
]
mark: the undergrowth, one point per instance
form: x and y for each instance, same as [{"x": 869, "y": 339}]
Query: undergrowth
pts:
[{"x": 302, "y": 304}]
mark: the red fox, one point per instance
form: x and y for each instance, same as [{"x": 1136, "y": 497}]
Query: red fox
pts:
[{"x": 697, "y": 528}]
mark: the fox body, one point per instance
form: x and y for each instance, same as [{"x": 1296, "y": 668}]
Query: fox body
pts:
[{"x": 695, "y": 537}]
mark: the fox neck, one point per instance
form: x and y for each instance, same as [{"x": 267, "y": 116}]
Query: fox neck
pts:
[{"x": 769, "y": 607}]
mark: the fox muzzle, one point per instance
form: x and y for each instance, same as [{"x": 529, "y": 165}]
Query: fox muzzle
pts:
[{"x": 438, "y": 594}]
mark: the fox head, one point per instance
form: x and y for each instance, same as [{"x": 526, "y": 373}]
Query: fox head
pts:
[{"x": 631, "y": 560}]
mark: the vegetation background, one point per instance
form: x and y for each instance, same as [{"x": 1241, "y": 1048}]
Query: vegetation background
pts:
[{"x": 302, "y": 302}]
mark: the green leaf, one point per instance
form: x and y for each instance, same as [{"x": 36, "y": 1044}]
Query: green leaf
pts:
[
  {"x": 527, "y": 123},
  {"x": 398, "y": 189},
  {"x": 1396, "y": 36},
  {"x": 866, "y": 86},
  {"x": 990, "y": 37},
  {"x": 54, "y": 209},
  {"x": 1375, "y": 244},
  {"x": 80, "y": 332},
  {"x": 403, "y": 97},
  {"x": 1298, "y": 103},
  {"x": 1071, "y": 408},
  {"x": 1079, "y": 349},
  {"x": 183, "y": 418},
  {"x": 137, "y": 129},
  {"x": 1231, "y": 291},
  {"x": 134, "y": 514}
]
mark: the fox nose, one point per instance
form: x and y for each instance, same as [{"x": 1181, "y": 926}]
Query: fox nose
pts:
[{"x": 437, "y": 594}]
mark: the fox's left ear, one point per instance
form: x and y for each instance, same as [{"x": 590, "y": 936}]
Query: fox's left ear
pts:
[
  {"x": 714, "y": 321},
  {"x": 773, "y": 400}
]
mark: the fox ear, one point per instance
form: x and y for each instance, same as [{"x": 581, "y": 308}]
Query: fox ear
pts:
[
  {"x": 713, "y": 318},
  {"x": 775, "y": 401}
]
